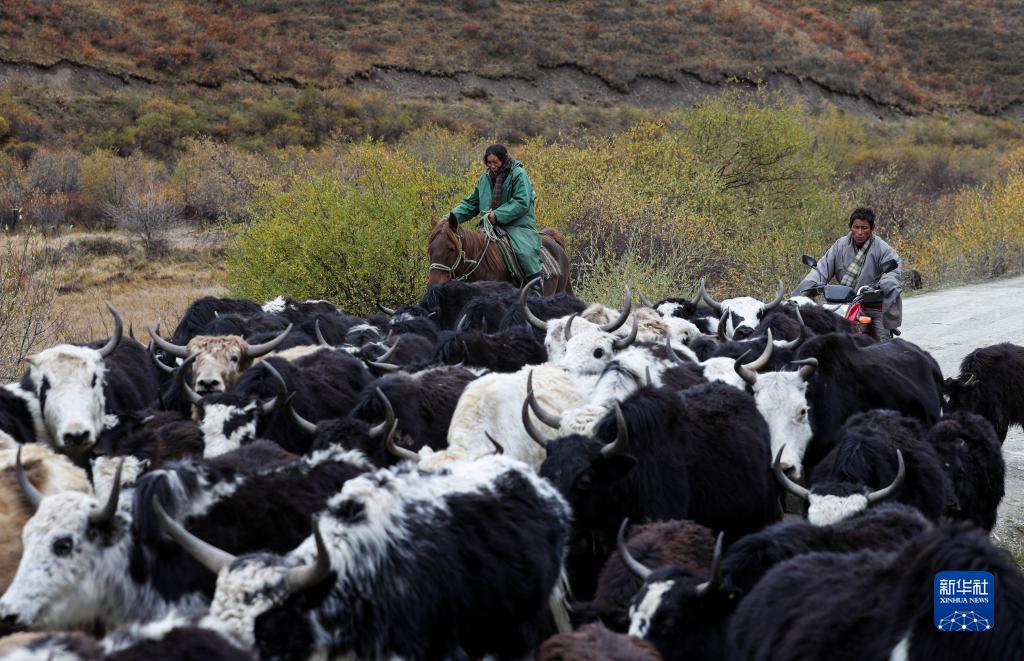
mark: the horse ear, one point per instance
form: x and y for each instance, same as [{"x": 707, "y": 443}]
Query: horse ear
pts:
[
  {"x": 453, "y": 222},
  {"x": 434, "y": 222}
]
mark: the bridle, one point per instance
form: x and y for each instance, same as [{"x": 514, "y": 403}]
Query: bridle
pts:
[{"x": 450, "y": 270}]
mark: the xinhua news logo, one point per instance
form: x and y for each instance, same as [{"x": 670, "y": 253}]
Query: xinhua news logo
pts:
[{"x": 965, "y": 601}]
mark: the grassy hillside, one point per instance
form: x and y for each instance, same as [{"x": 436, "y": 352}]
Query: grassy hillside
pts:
[{"x": 918, "y": 54}]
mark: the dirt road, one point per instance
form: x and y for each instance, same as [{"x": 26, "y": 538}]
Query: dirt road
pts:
[{"x": 950, "y": 324}]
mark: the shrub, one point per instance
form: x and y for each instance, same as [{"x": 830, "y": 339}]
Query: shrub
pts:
[
  {"x": 54, "y": 171},
  {"x": 217, "y": 181},
  {"x": 148, "y": 212},
  {"x": 28, "y": 290},
  {"x": 355, "y": 236}
]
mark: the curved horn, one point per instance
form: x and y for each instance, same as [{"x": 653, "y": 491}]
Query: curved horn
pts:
[
  {"x": 206, "y": 554},
  {"x": 302, "y": 578},
  {"x": 531, "y": 429},
  {"x": 304, "y": 425},
  {"x": 383, "y": 367},
  {"x": 182, "y": 383},
  {"x": 621, "y": 343},
  {"x": 716, "y": 568},
  {"x": 460, "y": 325},
  {"x": 647, "y": 373},
  {"x": 550, "y": 419},
  {"x": 257, "y": 350},
  {"x": 175, "y": 350},
  {"x": 643, "y": 300},
  {"x": 528, "y": 314},
  {"x": 808, "y": 365},
  {"x": 398, "y": 451},
  {"x": 712, "y": 303},
  {"x": 389, "y": 416},
  {"x": 320, "y": 339},
  {"x": 383, "y": 358},
  {"x": 282, "y": 390},
  {"x": 793, "y": 345},
  {"x": 568, "y": 326},
  {"x": 621, "y": 443},
  {"x": 385, "y": 309},
  {"x": 672, "y": 352},
  {"x": 971, "y": 381},
  {"x": 159, "y": 363},
  {"x": 497, "y": 446},
  {"x": 627, "y": 307},
  {"x": 766, "y": 355},
  {"x": 784, "y": 480},
  {"x": 106, "y": 514},
  {"x": 778, "y": 296},
  {"x": 748, "y": 375},
  {"x": 901, "y": 474},
  {"x": 32, "y": 495},
  {"x": 642, "y": 571},
  {"x": 111, "y": 344}
]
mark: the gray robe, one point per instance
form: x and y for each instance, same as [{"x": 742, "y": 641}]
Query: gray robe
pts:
[{"x": 835, "y": 261}]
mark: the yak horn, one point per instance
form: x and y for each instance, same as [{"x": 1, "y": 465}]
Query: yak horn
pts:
[
  {"x": 971, "y": 381},
  {"x": 623, "y": 314},
  {"x": 159, "y": 363},
  {"x": 257, "y": 350},
  {"x": 385, "y": 309},
  {"x": 641, "y": 570},
  {"x": 778, "y": 296},
  {"x": 381, "y": 362},
  {"x": 179, "y": 378},
  {"x": 808, "y": 365},
  {"x": 111, "y": 344},
  {"x": 320, "y": 339},
  {"x": 784, "y": 480},
  {"x": 747, "y": 374},
  {"x": 716, "y": 568},
  {"x": 550, "y": 419},
  {"x": 531, "y": 429},
  {"x": 568, "y": 326},
  {"x": 304, "y": 425},
  {"x": 621, "y": 443},
  {"x": 397, "y": 450},
  {"x": 389, "y": 416},
  {"x": 32, "y": 495},
  {"x": 643, "y": 300},
  {"x": 761, "y": 361},
  {"x": 712, "y": 303},
  {"x": 169, "y": 348},
  {"x": 621, "y": 343},
  {"x": 282, "y": 389},
  {"x": 302, "y": 578},
  {"x": 672, "y": 352},
  {"x": 795, "y": 344},
  {"x": 533, "y": 319},
  {"x": 106, "y": 514},
  {"x": 498, "y": 449},
  {"x": 901, "y": 474},
  {"x": 205, "y": 553}
]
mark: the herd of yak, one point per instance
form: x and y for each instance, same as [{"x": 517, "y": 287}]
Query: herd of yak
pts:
[{"x": 493, "y": 473}]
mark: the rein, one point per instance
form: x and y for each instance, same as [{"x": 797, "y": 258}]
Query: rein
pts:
[{"x": 450, "y": 270}]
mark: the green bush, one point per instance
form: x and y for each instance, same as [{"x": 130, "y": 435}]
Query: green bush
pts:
[{"x": 354, "y": 235}]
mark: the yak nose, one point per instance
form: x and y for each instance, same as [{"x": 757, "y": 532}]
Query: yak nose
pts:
[
  {"x": 77, "y": 439},
  {"x": 207, "y": 385},
  {"x": 742, "y": 333}
]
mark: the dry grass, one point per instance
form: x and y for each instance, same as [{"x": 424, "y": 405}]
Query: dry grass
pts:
[{"x": 143, "y": 290}]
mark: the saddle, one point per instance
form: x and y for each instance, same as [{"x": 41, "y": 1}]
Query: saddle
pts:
[{"x": 549, "y": 264}]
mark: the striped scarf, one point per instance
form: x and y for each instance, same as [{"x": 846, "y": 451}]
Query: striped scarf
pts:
[
  {"x": 497, "y": 181},
  {"x": 853, "y": 270}
]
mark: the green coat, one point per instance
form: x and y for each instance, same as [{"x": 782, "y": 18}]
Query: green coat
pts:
[{"x": 514, "y": 216}]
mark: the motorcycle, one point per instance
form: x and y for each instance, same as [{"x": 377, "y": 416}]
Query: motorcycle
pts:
[{"x": 855, "y": 304}]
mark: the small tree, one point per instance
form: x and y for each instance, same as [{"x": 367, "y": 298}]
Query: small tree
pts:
[
  {"x": 28, "y": 291},
  {"x": 148, "y": 212}
]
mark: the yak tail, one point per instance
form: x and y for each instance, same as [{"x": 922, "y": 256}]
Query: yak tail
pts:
[{"x": 558, "y": 603}]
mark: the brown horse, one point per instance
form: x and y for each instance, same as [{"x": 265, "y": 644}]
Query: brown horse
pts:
[{"x": 457, "y": 253}]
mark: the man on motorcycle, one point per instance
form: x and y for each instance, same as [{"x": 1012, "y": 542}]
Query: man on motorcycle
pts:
[{"x": 855, "y": 260}]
